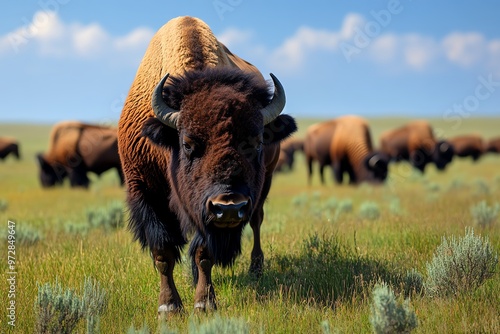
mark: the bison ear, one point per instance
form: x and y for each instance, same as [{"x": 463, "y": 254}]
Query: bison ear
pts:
[
  {"x": 280, "y": 128},
  {"x": 159, "y": 133}
]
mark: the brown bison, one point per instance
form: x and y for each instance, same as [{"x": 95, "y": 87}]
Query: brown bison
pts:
[
  {"x": 76, "y": 148},
  {"x": 287, "y": 152},
  {"x": 493, "y": 145},
  {"x": 198, "y": 154},
  {"x": 416, "y": 143},
  {"x": 351, "y": 152},
  {"x": 317, "y": 146},
  {"x": 468, "y": 146},
  {"x": 8, "y": 146}
]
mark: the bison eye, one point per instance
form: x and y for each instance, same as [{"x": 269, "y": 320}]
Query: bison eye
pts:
[{"x": 188, "y": 145}]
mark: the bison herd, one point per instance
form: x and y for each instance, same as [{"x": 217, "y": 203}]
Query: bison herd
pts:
[
  {"x": 345, "y": 145},
  {"x": 199, "y": 139}
]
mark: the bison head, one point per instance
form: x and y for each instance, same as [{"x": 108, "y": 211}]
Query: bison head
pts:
[
  {"x": 50, "y": 175},
  {"x": 377, "y": 165},
  {"x": 443, "y": 154},
  {"x": 221, "y": 129}
]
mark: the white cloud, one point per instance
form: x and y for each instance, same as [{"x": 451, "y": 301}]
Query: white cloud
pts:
[
  {"x": 419, "y": 51},
  {"x": 89, "y": 41},
  {"x": 292, "y": 53},
  {"x": 49, "y": 36},
  {"x": 464, "y": 49},
  {"x": 385, "y": 48},
  {"x": 234, "y": 36}
]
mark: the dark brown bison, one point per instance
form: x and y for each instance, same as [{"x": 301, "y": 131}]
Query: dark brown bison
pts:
[
  {"x": 8, "y": 146},
  {"x": 198, "y": 153},
  {"x": 76, "y": 148},
  {"x": 493, "y": 145},
  {"x": 351, "y": 152},
  {"x": 416, "y": 143},
  {"x": 317, "y": 147},
  {"x": 287, "y": 153},
  {"x": 468, "y": 146}
]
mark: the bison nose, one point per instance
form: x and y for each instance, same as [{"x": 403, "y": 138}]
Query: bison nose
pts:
[{"x": 229, "y": 210}]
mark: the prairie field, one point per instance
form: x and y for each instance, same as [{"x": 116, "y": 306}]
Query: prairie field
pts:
[{"x": 321, "y": 263}]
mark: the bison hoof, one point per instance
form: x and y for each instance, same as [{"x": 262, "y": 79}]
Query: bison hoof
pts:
[
  {"x": 165, "y": 310},
  {"x": 256, "y": 267},
  {"x": 205, "y": 306}
]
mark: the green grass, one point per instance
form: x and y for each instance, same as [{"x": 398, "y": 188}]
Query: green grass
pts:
[{"x": 317, "y": 269}]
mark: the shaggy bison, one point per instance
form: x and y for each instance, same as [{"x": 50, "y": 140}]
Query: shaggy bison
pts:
[
  {"x": 416, "y": 143},
  {"x": 287, "y": 152},
  {"x": 493, "y": 145},
  {"x": 9, "y": 146},
  {"x": 351, "y": 152},
  {"x": 198, "y": 151},
  {"x": 76, "y": 148},
  {"x": 317, "y": 146},
  {"x": 468, "y": 146}
]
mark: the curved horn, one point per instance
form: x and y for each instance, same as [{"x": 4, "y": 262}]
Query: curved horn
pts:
[
  {"x": 275, "y": 107},
  {"x": 443, "y": 147},
  {"x": 163, "y": 112},
  {"x": 372, "y": 162}
]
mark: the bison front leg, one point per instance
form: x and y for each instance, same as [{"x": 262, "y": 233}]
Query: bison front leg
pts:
[
  {"x": 257, "y": 256},
  {"x": 169, "y": 299},
  {"x": 204, "y": 299}
]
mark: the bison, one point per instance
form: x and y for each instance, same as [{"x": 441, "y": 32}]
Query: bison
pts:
[
  {"x": 493, "y": 145},
  {"x": 287, "y": 152},
  {"x": 351, "y": 152},
  {"x": 198, "y": 150},
  {"x": 468, "y": 146},
  {"x": 76, "y": 148},
  {"x": 8, "y": 146},
  {"x": 317, "y": 146},
  {"x": 415, "y": 142}
]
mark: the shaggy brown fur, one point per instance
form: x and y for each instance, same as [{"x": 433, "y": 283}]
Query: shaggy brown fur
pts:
[
  {"x": 219, "y": 152},
  {"x": 317, "y": 146},
  {"x": 287, "y": 152},
  {"x": 351, "y": 151},
  {"x": 76, "y": 148},
  {"x": 493, "y": 145},
  {"x": 468, "y": 146},
  {"x": 8, "y": 146},
  {"x": 416, "y": 143}
]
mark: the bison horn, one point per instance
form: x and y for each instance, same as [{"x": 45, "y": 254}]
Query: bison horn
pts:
[
  {"x": 372, "y": 162},
  {"x": 163, "y": 112},
  {"x": 275, "y": 107}
]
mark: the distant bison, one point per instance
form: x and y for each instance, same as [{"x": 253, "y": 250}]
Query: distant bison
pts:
[
  {"x": 287, "y": 152},
  {"x": 493, "y": 145},
  {"x": 198, "y": 154},
  {"x": 77, "y": 148},
  {"x": 317, "y": 147},
  {"x": 468, "y": 146},
  {"x": 9, "y": 146},
  {"x": 416, "y": 143},
  {"x": 351, "y": 152}
]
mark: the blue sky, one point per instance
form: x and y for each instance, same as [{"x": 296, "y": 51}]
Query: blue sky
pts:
[{"x": 76, "y": 59}]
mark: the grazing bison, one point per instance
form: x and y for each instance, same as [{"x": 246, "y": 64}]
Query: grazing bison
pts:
[
  {"x": 351, "y": 152},
  {"x": 317, "y": 146},
  {"x": 468, "y": 146},
  {"x": 416, "y": 143},
  {"x": 198, "y": 153},
  {"x": 287, "y": 152},
  {"x": 9, "y": 146},
  {"x": 493, "y": 145},
  {"x": 75, "y": 149}
]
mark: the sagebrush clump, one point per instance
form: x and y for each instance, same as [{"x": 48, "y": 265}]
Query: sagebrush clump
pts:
[
  {"x": 484, "y": 215},
  {"x": 460, "y": 265},
  {"x": 369, "y": 210},
  {"x": 389, "y": 316},
  {"x": 59, "y": 310},
  {"x": 110, "y": 217}
]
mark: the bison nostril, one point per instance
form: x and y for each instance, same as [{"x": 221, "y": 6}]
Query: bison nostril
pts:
[{"x": 229, "y": 212}]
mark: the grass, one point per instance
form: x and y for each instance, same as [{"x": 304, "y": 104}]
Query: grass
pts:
[{"x": 318, "y": 270}]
